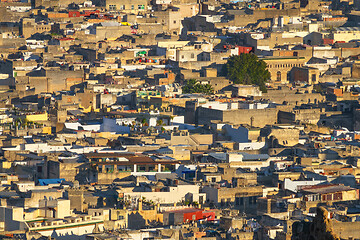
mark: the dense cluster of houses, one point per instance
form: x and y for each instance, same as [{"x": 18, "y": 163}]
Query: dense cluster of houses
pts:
[{"x": 99, "y": 139}]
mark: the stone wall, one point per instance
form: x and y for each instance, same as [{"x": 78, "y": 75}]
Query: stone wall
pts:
[
  {"x": 256, "y": 117},
  {"x": 286, "y": 137},
  {"x": 261, "y": 117}
]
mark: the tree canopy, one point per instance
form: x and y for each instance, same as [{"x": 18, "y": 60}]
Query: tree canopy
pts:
[
  {"x": 247, "y": 69},
  {"x": 194, "y": 86}
]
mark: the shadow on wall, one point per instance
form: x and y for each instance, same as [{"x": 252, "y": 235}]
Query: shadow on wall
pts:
[{"x": 136, "y": 221}]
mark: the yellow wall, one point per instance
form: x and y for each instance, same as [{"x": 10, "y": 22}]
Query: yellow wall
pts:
[
  {"x": 37, "y": 117},
  {"x": 349, "y": 195},
  {"x": 149, "y": 215},
  {"x": 46, "y": 130},
  {"x": 5, "y": 165},
  {"x": 86, "y": 110}
]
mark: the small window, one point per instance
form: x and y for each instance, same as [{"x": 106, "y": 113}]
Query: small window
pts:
[
  {"x": 112, "y": 7},
  {"x": 313, "y": 78}
]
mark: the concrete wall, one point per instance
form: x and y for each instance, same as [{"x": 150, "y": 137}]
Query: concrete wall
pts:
[
  {"x": 240, "y": 134},
  {"x": 291, "y": 97},
  {"x": 261, "y": 117},
  {"x": 286, "y": 137},
  {"x": 57, "y": 78},
  {"x": 346, "y": 230},
  {"x": 176, "y": 194},
  {"x": 110, "y": 125}
]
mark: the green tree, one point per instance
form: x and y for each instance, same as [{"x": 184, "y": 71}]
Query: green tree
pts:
[
  {"x": 247, "y": 69},
  {"x": 159, "y": 122},
  {"x": 194, "y": 86}
]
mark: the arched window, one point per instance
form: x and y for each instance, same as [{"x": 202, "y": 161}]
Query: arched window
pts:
[{"x": 278, "y": 76}]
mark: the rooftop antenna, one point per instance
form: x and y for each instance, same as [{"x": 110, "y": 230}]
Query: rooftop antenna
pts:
[{"x": 251, "y": 121}]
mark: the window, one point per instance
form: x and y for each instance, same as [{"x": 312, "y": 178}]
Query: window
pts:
[
  {"x": 112, "y": 7},
  {"x": 122, "y": 7},
  {"x": 174, "y": 22},
  {"x": 132, "y": 7},
  {"x": 338, "y": 196},
  {"x": 313, "y": 78},
  {"x": 278, "y": 76},
  {"x": 192, "y": 55},
  {"x": 109, "y": 168}
]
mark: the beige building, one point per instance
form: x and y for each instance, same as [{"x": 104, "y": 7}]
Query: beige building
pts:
[
  {"x": 345, "y": 34},
  {"x": 127, "y": 6},
  {"x": 168, "y": 48},
  {"x": 170, "y": 20},
  {"x": 29, "y": 27},
  {"x": 262, "y": 41},
  {"x": 243, "y": 198},
  {"x": 279, "y": 67},
  {"x": 245, "y": 90},
  {"x": 308, "y": 75}
]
